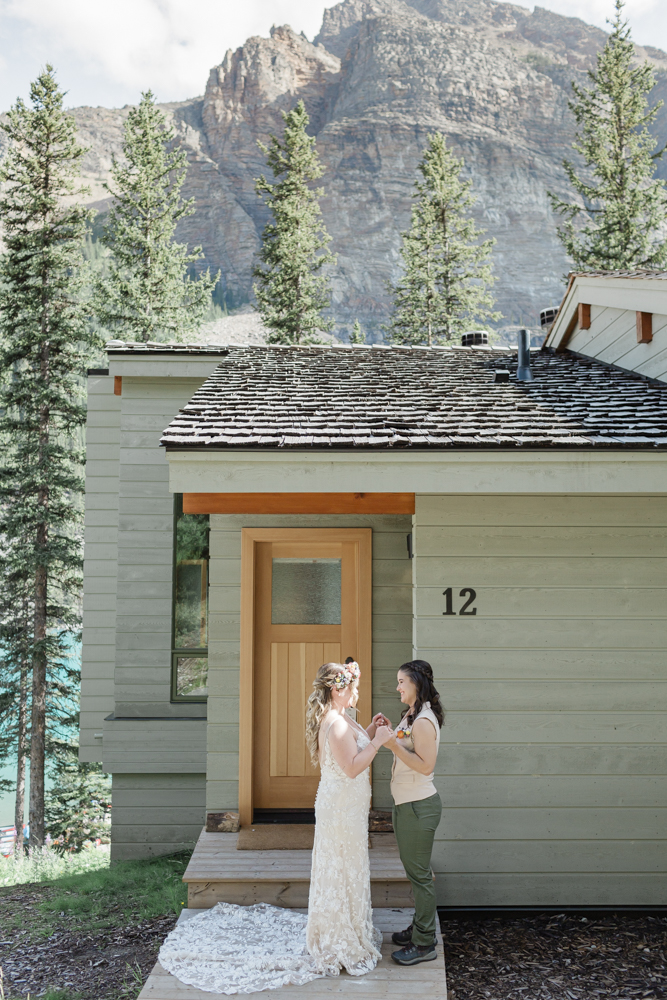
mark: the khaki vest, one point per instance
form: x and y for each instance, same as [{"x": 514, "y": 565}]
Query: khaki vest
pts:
[{"x": 408, "y": 785}]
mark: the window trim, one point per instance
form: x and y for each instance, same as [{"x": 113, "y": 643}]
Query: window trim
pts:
[{"x": 190, "y": 699}]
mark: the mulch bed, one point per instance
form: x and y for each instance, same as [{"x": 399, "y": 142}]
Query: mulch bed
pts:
[
  {"x": 556, "y": 957},
  {"x": 102, "y": 965},
  {"x": 540, "y": 957}
]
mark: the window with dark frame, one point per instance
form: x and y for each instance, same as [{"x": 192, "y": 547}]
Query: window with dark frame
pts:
[{"x": 189, "y": 643}]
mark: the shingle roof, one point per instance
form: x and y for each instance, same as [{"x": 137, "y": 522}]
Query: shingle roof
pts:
[
  {"x": 125, "y": 347},
  {"x": 637, "y": 273},
  {"x": 309, "y": 397}
]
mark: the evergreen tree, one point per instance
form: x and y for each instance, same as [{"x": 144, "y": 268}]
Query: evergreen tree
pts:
[
  {"x": 291, "y": 292},
  {"x": 78, "y": 803},
  {"x": 46, "y": 343},
  {"x": 147, "y": 294},
  {"x": 357, "y": 336},
  {"x": 446, "y": 271},
  {"x": 619, "y": 222}
]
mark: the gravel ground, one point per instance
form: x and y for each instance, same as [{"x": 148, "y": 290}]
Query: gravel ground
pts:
[
  {"x": 531, "y": 958},
  {"x": 556, "y": 958},
  {"x": 107, "y": 964}
]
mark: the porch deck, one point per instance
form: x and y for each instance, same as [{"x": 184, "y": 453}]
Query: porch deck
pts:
[
  {"x": 388, "y": 980},
  {"x": 218, "y": 873}
]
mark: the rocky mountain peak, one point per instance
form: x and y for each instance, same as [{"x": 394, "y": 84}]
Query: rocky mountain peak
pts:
[
  {"x": 266, "y": 73},
  {"x": 379, "y": 76}
]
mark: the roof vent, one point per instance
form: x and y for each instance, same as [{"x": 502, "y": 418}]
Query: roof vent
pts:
[
  {"x": 501, "y": 375},
  {"x": 547, "y": 316},
  {"x": 523, "y": 372},
  {"x": 475, "y": 338}
]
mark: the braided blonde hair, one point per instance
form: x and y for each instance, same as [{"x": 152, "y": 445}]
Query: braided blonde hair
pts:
[{"x": 319, "y": 703}]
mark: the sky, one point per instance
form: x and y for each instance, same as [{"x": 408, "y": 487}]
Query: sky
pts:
[{"x": 106, "y": 53}]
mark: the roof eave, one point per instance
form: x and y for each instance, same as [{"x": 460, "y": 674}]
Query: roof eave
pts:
[
  {"x": 618, "y": 289},
  {"x": 412, "y": 449}
]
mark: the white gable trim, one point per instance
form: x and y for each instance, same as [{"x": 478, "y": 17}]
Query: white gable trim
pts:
[
  {"x": 418, "y": 472},
  {"x": 163, "y": 366},
  {"x": 631, "y": 294}
]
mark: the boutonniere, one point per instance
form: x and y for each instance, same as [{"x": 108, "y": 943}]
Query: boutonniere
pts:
[{"x": 404, "y": 733}]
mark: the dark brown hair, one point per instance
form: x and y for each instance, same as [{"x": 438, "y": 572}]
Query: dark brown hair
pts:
[{"x": 421, "y": 674}]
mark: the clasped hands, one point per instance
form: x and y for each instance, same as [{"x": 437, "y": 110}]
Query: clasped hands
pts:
[{"x": 383, "y": 731}]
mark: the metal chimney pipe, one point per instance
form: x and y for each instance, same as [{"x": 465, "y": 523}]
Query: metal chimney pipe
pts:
[{"x": 523, "y": 372}]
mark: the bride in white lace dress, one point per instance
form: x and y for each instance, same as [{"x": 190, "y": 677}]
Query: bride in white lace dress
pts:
[
  {"x": 244, "y": 949},
  {"x": 340, "y": 932}
]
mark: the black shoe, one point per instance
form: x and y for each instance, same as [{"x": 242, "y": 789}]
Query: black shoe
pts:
[
  {"x": 402, "y": 937},
  {"x": 413, "y": 954},
  {"x": 405, "y": 937}
]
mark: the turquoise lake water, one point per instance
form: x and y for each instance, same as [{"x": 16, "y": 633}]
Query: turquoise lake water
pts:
[{"x": 9, "y": 771}]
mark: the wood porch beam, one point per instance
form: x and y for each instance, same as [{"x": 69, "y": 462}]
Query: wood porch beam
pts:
[{"x": 298, "y": 503}]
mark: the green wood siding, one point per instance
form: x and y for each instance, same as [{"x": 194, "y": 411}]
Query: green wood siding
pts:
[
  {"x": 156, "y": 814},
  {"x": 145, "y": 540},
  {"x": 100, "y": 563},
  {"x": 552, "y": 766}
]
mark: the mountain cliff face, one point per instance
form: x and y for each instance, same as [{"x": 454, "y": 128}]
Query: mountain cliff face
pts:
[{"x": 378, "y": 78}]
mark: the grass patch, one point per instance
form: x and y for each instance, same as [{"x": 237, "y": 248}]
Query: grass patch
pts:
[
  {"x": 60, "y": 995},
  {"x": 49, "y": 995},
  {"x": 46, "y": 865},
  {"x": 126, "y": 892}
]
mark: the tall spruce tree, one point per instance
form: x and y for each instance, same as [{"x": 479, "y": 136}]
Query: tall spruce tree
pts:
[
  {"x": 620, "y": 219},
  {"x": 446, "y": 270},
  {"x": 147, "y": 293},
  {"x": 291, "y": 291},
  {"x": 46, "y": 343},
  {"x": 78, "y": 802}
]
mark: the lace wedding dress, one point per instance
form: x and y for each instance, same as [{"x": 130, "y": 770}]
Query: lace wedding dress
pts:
[
  {"x": 245, "y": 949},
  {"x": 340, "y": 932}
]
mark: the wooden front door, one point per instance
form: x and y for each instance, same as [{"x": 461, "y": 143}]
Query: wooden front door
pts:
[{"x": 312, "y": 605}]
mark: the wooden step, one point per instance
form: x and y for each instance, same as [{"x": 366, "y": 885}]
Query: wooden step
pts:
[
  {"x": 387, "y": 982},
  {"x": 218, "y": 873}
]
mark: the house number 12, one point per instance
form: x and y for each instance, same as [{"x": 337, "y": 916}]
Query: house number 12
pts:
[{"x": 449, "y": 601}]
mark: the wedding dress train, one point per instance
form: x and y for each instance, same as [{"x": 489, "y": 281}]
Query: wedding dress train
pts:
[{"x": 244, "y": 949}]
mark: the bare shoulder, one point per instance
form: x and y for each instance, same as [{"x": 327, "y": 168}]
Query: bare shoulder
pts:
[
  {"x": 339, "y": 726},
  {"x": 340, "y": 730}
]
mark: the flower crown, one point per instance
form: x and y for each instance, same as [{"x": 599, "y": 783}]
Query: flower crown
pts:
[{"x": 349, "y": 673}]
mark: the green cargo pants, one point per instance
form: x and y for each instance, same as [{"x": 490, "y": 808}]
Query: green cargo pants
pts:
[{"x": 415, "y": 824}]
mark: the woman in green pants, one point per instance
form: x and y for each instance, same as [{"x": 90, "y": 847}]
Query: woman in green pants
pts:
[{"x": 417, "y": 805}]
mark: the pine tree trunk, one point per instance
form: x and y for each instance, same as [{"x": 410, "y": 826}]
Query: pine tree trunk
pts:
[
  {"x": 19, "y": 806},
  {"x": 38, "y": 721}
]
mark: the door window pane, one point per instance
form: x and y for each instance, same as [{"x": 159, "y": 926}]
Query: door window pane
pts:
[{"x": 305, "y": 592}]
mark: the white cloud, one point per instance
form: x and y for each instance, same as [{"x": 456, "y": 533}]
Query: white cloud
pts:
[{"x": 106, "y": 53}]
